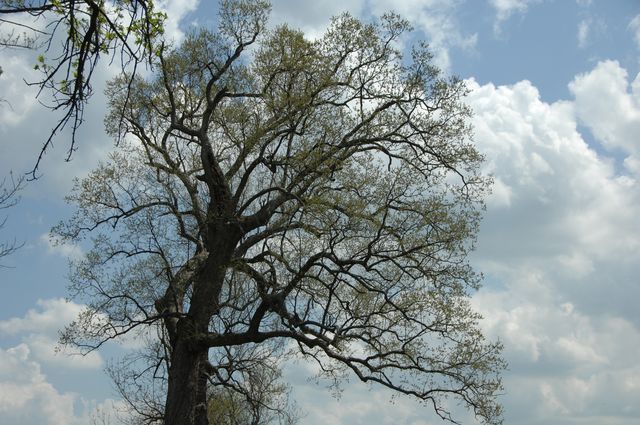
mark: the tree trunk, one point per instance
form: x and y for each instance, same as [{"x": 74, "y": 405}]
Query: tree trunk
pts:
[
  {"x": 186, "y": 402},
  {"x": 187, "y": 387}
]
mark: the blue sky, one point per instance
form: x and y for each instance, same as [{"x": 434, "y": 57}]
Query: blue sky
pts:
[{"x": 556, "y": 95}]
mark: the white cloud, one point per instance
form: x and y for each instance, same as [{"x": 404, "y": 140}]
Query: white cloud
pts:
[
  {"x": 609, "y": 106},
  {"x": 176, "y": 11},
  {"x": 634, "y": 27},
  {"x": 47, "y": 350},
  {"x": 583, "y": 33},
  {"x": 561, "y": 192},
  {"x": 506, "y": 8},
  {"x": 25, "y": 394},
  {"x": 564, "y": 365},
  {"x": 560, "y": 246},
  {"x": 28, "y": 398},
  {"x": 589, "y": 29},
  {"x": 357, "y": 403},
  {"x": 18, "y": 100},
  {"x": 48, "y": 318},
  {"x": 38, "y": 330},
  {"x": 436, "y": 18},
  {"x": 314, "y": 17},
  {"x": 63, "y": 249}
]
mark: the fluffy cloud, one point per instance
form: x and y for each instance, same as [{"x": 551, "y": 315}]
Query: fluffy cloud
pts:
[
  {"x": 38, "y": 331},
  {"x": 176, "y": 11},
  {"x": 25, "y": 394},
  {"x": 609, "y": 106},
  {"x": 48, "y": 318},
  {"x": 560, "y": 246},
  {"x": 28, "y": 398},
  {"x": 565, "y": 366},
  {"x": 556, "y": 197}
]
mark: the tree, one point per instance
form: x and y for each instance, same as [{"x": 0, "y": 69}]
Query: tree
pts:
[
  {"x": 9, "y": 189},
  {"x": 310, "y": 198},
  {"x": 125, "y": 31}
]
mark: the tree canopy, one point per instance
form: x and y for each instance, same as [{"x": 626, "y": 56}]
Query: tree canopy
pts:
[{"x": 277, "y": 196}]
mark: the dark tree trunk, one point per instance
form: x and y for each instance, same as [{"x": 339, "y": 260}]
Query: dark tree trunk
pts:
[
  {"x": 201, "y": 395},
  {"x": 186, "y": 402},
  {"x": 186, "y": 393}
]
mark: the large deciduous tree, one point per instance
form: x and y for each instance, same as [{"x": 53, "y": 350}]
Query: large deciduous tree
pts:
[{"x": 274, "y": 195}]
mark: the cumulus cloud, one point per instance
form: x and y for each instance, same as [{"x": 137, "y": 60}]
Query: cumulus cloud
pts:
[
  {"x": 48, "y": 317},
  {"x": 28, "y": 398},
  {"x": 609, "y": 105},
  {"x": 38, "y": 331},
  {"x": 560, "y": 246},
  {"x": 564, "y": 365},
  {"x": 557, "y": 183},
  {"x": 25, "y": 394},
  {"x": 176, "y": 11}
]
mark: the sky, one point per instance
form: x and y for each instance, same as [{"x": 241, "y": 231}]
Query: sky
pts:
[{"x": 555, "y": 90}]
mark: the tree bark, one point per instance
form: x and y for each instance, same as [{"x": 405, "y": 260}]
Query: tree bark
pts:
[
  {"x": 186, "y": 391},
  {"x": 186, "y": 402}
]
